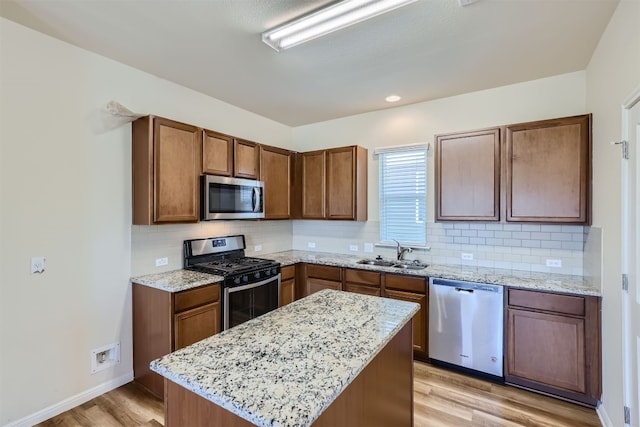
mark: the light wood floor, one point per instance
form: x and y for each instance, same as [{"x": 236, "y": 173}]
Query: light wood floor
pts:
[{"x": 441, "y": 398}]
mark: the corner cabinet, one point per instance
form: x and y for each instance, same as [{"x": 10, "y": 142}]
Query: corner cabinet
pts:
[
  {"x": 467, "y": 176},
  {"x": 333, "y": 184},
  {"x": 275, "y": 171},
  {"x": 548, "y": 171},
  {"x": 553, "y": 344},
  {"x": 164, "y": 322},
  {"x": 166, "y": 159}
]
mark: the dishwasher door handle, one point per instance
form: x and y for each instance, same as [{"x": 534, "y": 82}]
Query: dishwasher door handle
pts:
[{"x": 462, "y": 290}]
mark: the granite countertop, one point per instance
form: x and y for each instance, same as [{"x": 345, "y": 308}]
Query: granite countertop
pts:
[
  {"x": 286, "y": 367},
  {"x": 179, "y": 280},
  {"x": 496, "y": 276}
]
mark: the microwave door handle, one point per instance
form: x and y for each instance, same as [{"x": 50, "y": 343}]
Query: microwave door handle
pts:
[{"x": 256, "y": 199}]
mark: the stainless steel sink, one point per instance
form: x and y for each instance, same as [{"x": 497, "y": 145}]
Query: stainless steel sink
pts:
[
  {"x": 378, "y": 262},
  {"x": 394, "y": 264}
]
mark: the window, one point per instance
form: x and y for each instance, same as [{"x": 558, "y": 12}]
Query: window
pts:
[{"x": 403, "y": 194}]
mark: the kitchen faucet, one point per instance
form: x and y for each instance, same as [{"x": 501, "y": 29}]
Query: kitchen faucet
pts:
[{"x": 402, "y": 250}]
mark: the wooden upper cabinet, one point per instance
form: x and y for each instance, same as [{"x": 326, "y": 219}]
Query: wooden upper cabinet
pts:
[
  {"x": 217, "y": 153},
  {"x": 313, "y": 184},
  {"x": 467, "y": 176},
  {"x": 548, "y": 171},
  {"x": 275, "y": 171},
  {"x": 166, "y": 168},
  {"x": 346, "y": 189},
  {"x": 246, "y": 159}
]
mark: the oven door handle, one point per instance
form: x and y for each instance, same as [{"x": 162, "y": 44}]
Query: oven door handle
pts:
[{"x": 252, "y": 285}]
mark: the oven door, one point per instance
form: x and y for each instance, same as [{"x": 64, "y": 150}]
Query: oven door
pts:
[{"x": 242, "y": 303}]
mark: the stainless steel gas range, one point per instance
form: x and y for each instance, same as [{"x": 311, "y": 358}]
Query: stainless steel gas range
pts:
[{"x": 251, "y": 286}]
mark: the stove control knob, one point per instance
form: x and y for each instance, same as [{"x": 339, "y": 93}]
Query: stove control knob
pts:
[
  {"x": 274, "y": 271},
  {"x": 236, "y": 280},
  {"x": 257, "y": 275},
  {"x": 245, "y": 279}
]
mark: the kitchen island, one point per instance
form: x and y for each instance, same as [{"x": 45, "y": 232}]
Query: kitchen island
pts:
[{"x": 332, "y": 358}]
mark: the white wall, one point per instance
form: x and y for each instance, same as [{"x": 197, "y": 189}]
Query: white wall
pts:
[
  {"x": 510, "y": 246},
  {"x": 65, "y": 188},
  {"x": 612, "y": 74}
]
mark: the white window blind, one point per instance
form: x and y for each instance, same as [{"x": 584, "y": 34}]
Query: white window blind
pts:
[{"x": 403, "y": 195}]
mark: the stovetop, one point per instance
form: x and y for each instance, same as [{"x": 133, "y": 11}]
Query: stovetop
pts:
[{"x": 225, "y": 267}]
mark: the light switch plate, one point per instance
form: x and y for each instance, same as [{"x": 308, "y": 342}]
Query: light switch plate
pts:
[
  {"x": 554, "y": 263},
  {"x": 466, "y": 256},
  {"x": 37, "y": 264},
  {"x": 353, "y": 248}
]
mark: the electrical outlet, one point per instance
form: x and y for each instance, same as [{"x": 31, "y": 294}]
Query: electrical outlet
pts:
[
  {"x": 368, "y": 247},
  {"x": 105, "y": 357},
  {"x": 353, "y": 248},
  {"x": 554, "y": 263},
  {"x": 37, "y": 264},
  {"x": 162, "y": 261},
  {"x": 311, "y": 245},
  {"x": 257, "y": 248},
  {"x": 466, "y": 256}
]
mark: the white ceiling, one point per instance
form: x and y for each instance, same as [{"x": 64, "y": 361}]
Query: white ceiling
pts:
[{"x": 426, "y": 50}]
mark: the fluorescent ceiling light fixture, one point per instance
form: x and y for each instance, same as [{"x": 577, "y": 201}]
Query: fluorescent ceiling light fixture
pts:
[
  {"x": 393, "y": 98},
  {"x": 324, "y": 21}
]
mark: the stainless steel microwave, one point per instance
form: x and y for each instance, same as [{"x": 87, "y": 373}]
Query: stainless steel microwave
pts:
[{"x": 231, "y": 198}]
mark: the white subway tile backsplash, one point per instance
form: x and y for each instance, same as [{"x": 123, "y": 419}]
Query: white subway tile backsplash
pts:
[{"x": 531, "y": 227}]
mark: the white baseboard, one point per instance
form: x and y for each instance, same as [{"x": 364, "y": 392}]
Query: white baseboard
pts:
[
  {"x": 604, "y": 417},
  {"x": 71, "y": 402}
]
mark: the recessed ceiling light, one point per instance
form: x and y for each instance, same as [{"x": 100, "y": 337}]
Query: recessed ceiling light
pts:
[{"x": 392, "y": 98}]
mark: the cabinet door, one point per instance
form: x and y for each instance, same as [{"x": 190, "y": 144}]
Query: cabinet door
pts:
[
  {"x": 546, "y": 348},
  {"x": 467, "y": 176},
  {"x": 548, "y": 166},
  {"x": 313, "y": 184},
  {"x": 287, "y": 284},
  {"x": 196, "y": 324},
  {"x": 275, "y": 171},
  {"x": 346, "y": 183},
  {"x": 166, "y": 169},
  {"x": 217, "y": 153},
  {"x": 362, "y": 289},
  {"x": 246, "y": 159},
  {"x": 314, "y": 285},
  {"x": 419, "y": 319}
]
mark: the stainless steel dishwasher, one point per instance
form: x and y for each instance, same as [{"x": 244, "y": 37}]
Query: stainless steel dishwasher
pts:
[{"x": 466, "y": 326}]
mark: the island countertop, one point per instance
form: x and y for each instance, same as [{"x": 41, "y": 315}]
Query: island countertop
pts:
[{"x": 286, "y": 367}]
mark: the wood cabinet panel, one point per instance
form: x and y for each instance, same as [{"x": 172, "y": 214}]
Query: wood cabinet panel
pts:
[
  {"x": 347, "y": 183},
  {"x": 467, "y": 176},
  {"x": 165, "y": 321},
  {"x": 548, "y": 171},
  {"x": 287, "y": 284},
  {"x": 166, "y": 159},
  {"x": 246, "y": 159},
  {"x": 362, "y": 277},
  {"x": 420, "y": 329},
  {"x": 196, "y": 324},
  {"x": 324, "y": 272},
  {"x": 275, "y": 171},
  {"x": 315, "y": 285},
  {"x": 362, "y": 289},
  {"x": 546, "y": 348},
  {"x": 313, "y": 184},
  {"x": 217, "y": 153},
  {"x": 553, "y": 344},
  {"x": 406, "y": 283},
  {"x": 288, "y": 272}
]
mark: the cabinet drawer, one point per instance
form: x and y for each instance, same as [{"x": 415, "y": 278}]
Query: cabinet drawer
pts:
[
  {"x": 288, "y": 272},
  {"x": 196, "y": 297},
  {"x": 362, "y": 277},
  {"x": 324, "y": 272},
  {"x": 566, "y": 304},
  {"x": 406, "y": 283}
]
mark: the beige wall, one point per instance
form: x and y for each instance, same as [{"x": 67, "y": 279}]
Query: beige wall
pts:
[
  {"x": 612, "y": 74},
  {"x": 65, "y": 185}
]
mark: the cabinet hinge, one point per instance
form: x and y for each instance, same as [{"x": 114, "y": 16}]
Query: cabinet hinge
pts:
[
  {"x": 625, "y": 282},
  {"x": 627, "y": 415},
  {"x": 625, "y": 148}
]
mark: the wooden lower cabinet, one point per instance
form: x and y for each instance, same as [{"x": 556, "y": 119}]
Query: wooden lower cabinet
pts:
[
  {"x": 164, "y": 322},
  {"x": 553, "y": 344},
  {"x": 412, "y": 289},
  {"x": 287, "y": 284},
  {"x": 319, "y": 277},
  {"x": 362, "y": 282}
]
